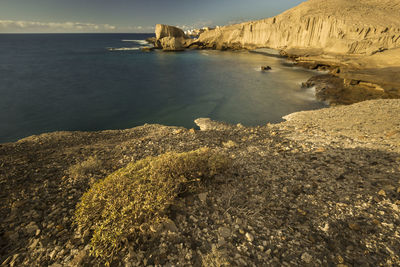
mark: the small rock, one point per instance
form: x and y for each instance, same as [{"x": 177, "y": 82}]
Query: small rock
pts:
[
  {"x": 382, "y": 193},
  {"x": 354, "y": 226},
  {"x": 170, "y": 226},
  {"x": 31, "y": 228},
  {"x": 229, "y": 144},
  {"x": 203, "y": 197},
  {"x": 307, "y": 258},
  {"x": 221, "y": 242},
  {"x": 340, "y": 259},
  {"x": 224, "y": 232},
  {"x": 52, "y": 254},
  {"x": 34, "y": 243},
  {"x": 249, "y": 237}
]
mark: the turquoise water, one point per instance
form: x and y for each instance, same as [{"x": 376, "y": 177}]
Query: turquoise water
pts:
[{"x": 74, "y": 82}]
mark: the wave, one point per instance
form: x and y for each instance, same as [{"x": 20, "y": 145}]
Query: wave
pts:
[
  {"x": 122, "y": 48},
  {"x": 307, "y": 94},
  {"x": 141, "y": 42}
]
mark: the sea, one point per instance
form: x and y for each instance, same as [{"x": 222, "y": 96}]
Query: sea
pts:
[{"x": 90, "y": 82}]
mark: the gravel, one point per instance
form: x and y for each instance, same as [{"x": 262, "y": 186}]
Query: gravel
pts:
[{"x": 309, "y": 191}]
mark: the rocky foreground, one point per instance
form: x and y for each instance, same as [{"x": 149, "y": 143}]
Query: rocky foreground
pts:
[{"x": 322, "y": 188}]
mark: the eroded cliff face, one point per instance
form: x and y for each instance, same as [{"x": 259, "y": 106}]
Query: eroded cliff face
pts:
[
  {"x": 335, "y": 26},
  {"x": 170, "y": 38}
]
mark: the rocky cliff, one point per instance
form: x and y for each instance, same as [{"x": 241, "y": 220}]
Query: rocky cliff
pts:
[
  {"x": 170, "y": 38},
  {"x": 333, "y": 26}
]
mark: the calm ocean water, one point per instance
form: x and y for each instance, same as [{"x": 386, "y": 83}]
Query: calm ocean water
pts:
[{"x": 51, "y": 82}]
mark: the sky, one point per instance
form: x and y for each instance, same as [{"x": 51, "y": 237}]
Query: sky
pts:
[{"x": 130, "y": 16}]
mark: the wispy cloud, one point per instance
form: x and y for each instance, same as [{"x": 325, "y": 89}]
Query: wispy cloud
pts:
[
  {"x": 196, "y": 25},
  {"x": 36, "y": 26}
]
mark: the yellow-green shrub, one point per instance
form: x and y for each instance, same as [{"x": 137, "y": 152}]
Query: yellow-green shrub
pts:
[{"x": 139, "y": 194}]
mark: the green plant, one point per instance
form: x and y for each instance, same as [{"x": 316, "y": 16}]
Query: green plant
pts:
[{"x": 138, "y": 195}]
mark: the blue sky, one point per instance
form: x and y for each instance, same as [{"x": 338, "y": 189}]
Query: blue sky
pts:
[{"x": 130, "y": 15}]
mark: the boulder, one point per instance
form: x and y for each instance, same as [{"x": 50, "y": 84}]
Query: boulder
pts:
[
  {"x": 172, "y": 44},
  {"x": 265, "y": 68},
  {"x": 168, "y": 31},
  {"x": 170, "y": 38}
]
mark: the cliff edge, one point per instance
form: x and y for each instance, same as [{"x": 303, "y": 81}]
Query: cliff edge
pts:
[{"x": 334, "y": 26}]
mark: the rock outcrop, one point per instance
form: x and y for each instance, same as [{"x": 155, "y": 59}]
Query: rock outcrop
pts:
[
  {"x": 333, "y": 26},
  {"x": 170, "y": 38}
]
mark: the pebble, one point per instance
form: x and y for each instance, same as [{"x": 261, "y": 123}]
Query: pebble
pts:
[
  {"x": 31, "y": 228},
  {"x": 307, "y": 258},
  {"x": 203, "y": 197},
  {"x": 224, "y": 232},
  {"x": 249, "y": 237},
  {"x": 382, "y": 193},
  {"x": 34, "y": 243}
]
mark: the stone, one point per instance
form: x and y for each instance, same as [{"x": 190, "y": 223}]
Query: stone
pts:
[
  {"x": 206, "y": 124},
  {"x": 172, "y": 44},
  {"x": 249, "y": 237},
  {"x": 34, "y": 243},
  {"x": 146, "y": 49},
  {"x": 163, "y": 30},
  {"x": 31, "y": 228},
  {"x": 170, "y": 226},
  {"x": 307, "y": 258},
  {"x": 170, "y": 38},
  {"x": 203, "y": 197},
  {"x": 265, "y": 68},
  {"x": 382, "y": 193},
  {"x": 224, "y": 232},
  {"x": 14, "y": 260}
]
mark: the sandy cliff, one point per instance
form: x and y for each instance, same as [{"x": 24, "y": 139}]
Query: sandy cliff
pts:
[{"x": 334, "y": 26}]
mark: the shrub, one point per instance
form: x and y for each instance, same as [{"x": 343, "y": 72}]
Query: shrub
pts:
[{"x": 138, "y": 195}]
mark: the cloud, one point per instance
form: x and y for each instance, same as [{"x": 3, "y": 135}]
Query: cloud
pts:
[
  {"x": 20, "y": 26},
  {"x": 197, "y": 25}
]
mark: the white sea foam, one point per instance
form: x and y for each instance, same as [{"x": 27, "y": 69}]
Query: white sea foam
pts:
[
  {"x": 141, "y": 42},
  {"x": 307, "y": 94},
  {"x": 122, "y": 48}
]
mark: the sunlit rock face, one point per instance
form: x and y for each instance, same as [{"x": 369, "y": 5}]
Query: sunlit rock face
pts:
[
  {"x": 334, "y": 26},
  {"x": 170, "y": 38}
]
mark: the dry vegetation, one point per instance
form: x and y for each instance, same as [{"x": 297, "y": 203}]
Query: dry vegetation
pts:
[{"x": 131, "y": 200}]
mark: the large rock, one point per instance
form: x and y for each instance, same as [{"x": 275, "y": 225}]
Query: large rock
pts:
[
  {"x": 172, "y": 44},
  {"x": 170, "y": 38},
  {"x": 333, "y": 26},
  {"x": 168, "y": 31}
]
